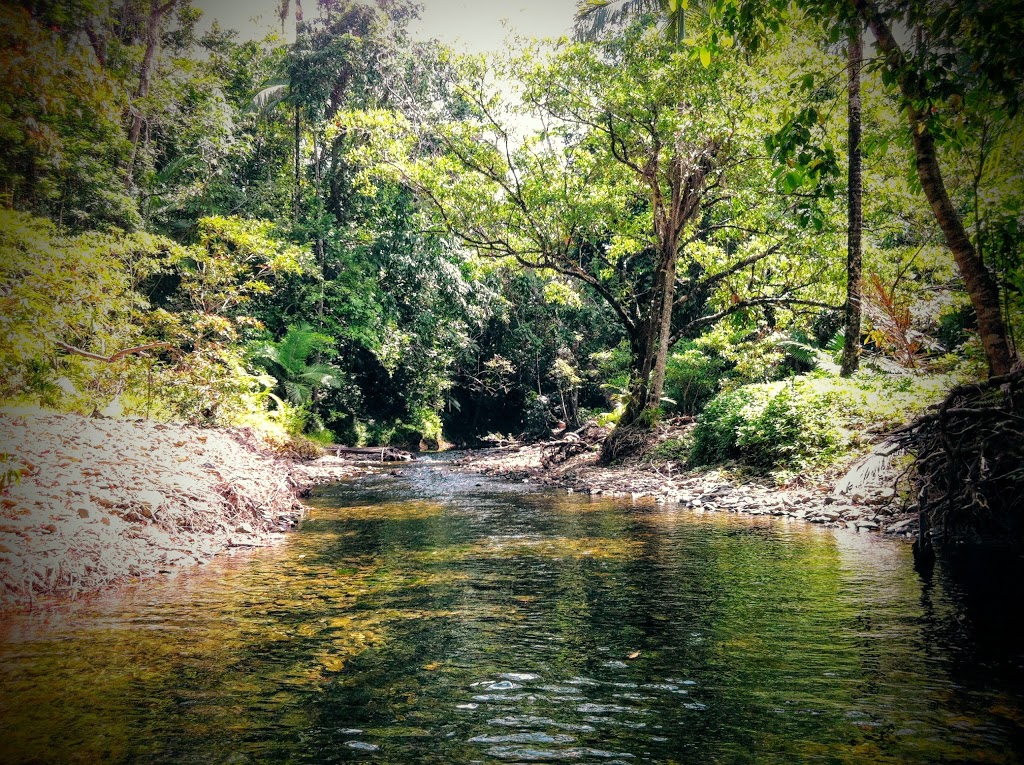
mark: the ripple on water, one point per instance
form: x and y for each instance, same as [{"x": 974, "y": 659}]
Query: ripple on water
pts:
[
  {"x": 520, "y": 677},
  {"x": 498, "y": 697},
  {"x": 535, "y": 721},
  {"x": 362, "y": 746},
  {"x": 524, "y": 738},
  {"x": 528, "y": 754},
  {"x": 601, "y": 709}
]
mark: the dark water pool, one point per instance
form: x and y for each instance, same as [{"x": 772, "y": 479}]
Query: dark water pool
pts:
[{"x": 444, "y": 618}]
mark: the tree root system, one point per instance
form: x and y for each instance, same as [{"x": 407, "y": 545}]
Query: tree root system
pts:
[{"x": 969, "y": 463}]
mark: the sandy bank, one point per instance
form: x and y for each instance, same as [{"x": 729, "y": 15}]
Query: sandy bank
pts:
[{"x": 101, "y": 501}]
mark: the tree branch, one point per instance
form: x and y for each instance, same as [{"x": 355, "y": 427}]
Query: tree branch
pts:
[
  {"x": 740, "y": 305},
  {"x": 109, "y": 359}
]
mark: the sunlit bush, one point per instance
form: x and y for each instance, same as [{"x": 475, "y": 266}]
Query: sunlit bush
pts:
[{"x": 806, "y": 421}]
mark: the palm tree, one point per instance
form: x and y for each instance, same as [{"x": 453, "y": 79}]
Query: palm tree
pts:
[
  {"x": 286, "y": 361},
  {"x": 592, "y": 16}
]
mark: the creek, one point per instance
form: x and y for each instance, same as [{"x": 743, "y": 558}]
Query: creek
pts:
[{"x": 441, "y": 617}]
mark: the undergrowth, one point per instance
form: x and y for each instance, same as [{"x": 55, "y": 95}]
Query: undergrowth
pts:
[{"x": 806, "y": 423}]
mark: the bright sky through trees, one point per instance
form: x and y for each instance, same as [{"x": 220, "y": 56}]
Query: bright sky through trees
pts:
[{"x": 475, "y": 25}]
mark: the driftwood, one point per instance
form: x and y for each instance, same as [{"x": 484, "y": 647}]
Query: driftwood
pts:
[
  {"x": 572, "y": 443},
  {"x": 370, "y": 453},
  {"x": 112, "y": 358}
]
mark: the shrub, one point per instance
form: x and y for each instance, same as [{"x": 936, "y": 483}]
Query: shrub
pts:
[
  {"x": 672, "y": 450},
  {"x": 806, "y": 421},
  {"x": 692, "y": 375}
]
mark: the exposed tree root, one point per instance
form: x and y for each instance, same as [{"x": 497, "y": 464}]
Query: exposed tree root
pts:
[
  {"x": 625, "y": 441},
  {"x": 969, "y": 463}
]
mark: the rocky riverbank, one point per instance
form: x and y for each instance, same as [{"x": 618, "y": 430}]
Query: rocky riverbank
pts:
[
  {"x": 90, "y": 502},
  {"x": 862, "y": 498}
]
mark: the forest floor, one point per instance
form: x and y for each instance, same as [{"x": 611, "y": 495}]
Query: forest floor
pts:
[
  {"x": 101, "y": 501},
  {"x": 857, "y": 495}
]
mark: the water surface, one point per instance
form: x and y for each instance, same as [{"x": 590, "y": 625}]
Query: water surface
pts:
[{"x": 439, "y": 617}]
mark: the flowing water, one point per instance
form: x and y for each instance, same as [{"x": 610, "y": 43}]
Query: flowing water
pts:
[{"x": 439, "y": 617}]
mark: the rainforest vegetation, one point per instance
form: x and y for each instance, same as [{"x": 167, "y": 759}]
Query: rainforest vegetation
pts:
[{"x": 799, "y": 222}]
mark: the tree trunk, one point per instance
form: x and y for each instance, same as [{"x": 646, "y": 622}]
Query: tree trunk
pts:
[
  {"x": 297, "y": 201},
  {"x": 981, "y": 286},
  {"x": 156, "y": 15},
  {"x": 854, "y": 194},
  {"x": 667, "y": 297},
  {"x": 650, "y": 347}
]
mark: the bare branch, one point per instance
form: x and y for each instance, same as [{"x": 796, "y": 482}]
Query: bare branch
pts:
[{"x": 109, "y": 359}]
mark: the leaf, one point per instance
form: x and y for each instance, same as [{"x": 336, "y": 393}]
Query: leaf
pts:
[
  {"x": 633, "y": 655},
  {"x": 705, "y": 57}
]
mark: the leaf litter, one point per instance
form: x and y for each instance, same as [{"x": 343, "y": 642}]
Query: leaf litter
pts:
[{"x": 101, "y": 501}]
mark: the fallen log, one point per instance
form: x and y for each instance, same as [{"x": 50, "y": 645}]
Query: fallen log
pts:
[{"x": 371, "y": 453}]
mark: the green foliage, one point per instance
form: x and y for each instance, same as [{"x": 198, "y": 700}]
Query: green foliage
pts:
[
  {"x": 234, "y": 261},
  {"x": 288, "y": 361},
  {"x": 805, "y": 422},
  {"x": 209, "y": 385},
  {"x": 692, "y": 377},
  {"x": 53, "y": 287},
  {"x": 672, "y": 450},
  {"x": 62, "y": 144}
]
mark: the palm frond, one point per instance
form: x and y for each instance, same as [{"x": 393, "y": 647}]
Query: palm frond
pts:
[
  {"x": 263, "y": 355},
  {"x": 593, "y": 17},
  {"x": 297, "y": 392},
  {"x": 270, "y": 96},
  {"x": 297, "y": 344},
  {"x": 176, "y": 167},
  {"x": 321, "y": 375}
]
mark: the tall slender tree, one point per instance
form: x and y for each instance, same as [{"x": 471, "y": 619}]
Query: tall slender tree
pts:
[
  {"x": 854, "y": 194},
  {"x": 158, "y": 13},
  {"x": 981, "y": 284}
]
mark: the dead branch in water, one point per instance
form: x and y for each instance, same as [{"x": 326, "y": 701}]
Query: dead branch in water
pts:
[{"x": 371, "y": 453}]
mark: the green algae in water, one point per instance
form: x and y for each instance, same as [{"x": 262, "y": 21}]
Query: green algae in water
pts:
[{"x": 431, "y": 619}]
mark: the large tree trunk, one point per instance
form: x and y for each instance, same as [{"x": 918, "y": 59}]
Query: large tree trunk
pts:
[
  {"x": 981, "y": 286},
  {"x": 854, "y": 194},
  {"x": 664, "y": 336},
  {"x": 650, "y": 347},
  {"x": 651, "y": 344}
]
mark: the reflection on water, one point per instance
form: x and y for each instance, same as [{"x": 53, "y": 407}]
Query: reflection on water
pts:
[{"x": 445, "y": 618}]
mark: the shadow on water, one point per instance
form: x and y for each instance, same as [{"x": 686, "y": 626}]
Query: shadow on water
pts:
[{"x": 438, "y": 617}]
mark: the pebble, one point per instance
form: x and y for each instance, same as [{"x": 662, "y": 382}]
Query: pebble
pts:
[{"x": 860, "y": 509}]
